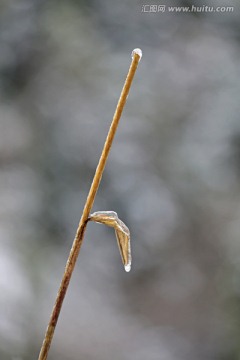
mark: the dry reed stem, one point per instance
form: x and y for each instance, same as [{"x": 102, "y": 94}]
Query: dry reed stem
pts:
[{"x": 86, "y": 211}]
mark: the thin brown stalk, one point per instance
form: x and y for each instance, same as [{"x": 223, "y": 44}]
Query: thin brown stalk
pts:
[{"x": 86, "y": 211}]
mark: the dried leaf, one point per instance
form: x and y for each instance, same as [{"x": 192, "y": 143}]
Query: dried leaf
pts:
[{"x": 110, "y": 218}]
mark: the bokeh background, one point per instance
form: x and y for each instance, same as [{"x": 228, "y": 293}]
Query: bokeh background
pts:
[{"x": 172, "y": 176}]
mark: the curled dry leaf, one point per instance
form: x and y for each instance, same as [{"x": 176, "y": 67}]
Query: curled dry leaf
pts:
[{"x": 110, "y": 218}]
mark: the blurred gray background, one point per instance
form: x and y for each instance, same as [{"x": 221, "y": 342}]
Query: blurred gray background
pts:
[{"x": 172, "y": 177}]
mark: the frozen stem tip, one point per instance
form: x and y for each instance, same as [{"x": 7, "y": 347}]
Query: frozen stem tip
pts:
[
  {"x": 110, "y": 218},
  {"x": 138, "y": 52}
]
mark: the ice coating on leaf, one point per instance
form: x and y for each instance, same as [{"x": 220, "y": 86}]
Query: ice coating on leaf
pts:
[
  {"x": 138, "y": 52},
  {"x": 127, "y": 266},
  {"x": 104, "y": 217},
  {"x": 110, "y": 218}
]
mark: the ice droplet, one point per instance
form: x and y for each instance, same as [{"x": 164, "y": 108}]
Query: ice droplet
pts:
[
  {"x": 127, "y": 267},
  {"x": 137, "y": 51}
]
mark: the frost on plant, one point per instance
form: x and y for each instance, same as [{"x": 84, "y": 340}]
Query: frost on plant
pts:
[
  {"x": 110, "y": 218},
  {"x": 138, "y": 52}
]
